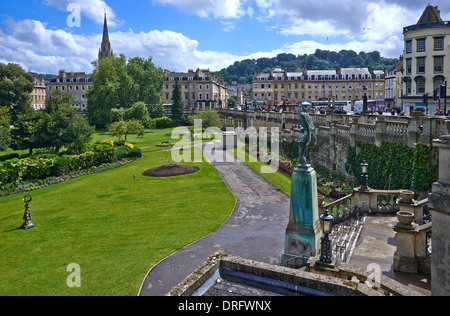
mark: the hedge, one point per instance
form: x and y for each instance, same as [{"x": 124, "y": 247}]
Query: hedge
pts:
[
  {"x": 15, "y": 171},
  {"x": 395, "y": 166}
]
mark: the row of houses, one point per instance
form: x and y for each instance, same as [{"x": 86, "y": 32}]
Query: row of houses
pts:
[
  {"x": 200, "y": 89},
  {"x": 423, "y": 68}
]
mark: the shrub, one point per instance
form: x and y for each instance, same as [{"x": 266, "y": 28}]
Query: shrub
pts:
[
  {"x": 125, "y": 152},
  {"x": 135, "y": 153},
  {"x": 165, "y": 122},
  {"x": 9, "y": 156},
  {"x": 63, "y": 166},
  {"x": 121, "y": 153},
  {"x": 129, "y": 145},
  {"x": 108, "y": 142}
]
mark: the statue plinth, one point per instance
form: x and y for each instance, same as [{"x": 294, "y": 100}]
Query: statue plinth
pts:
[{"x": 303, "y": 231}]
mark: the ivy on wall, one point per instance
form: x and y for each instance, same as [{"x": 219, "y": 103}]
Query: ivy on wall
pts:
[{"x": 395, "y": 166}]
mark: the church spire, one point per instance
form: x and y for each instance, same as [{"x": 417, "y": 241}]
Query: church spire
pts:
[{"x": 105, "y": 49}]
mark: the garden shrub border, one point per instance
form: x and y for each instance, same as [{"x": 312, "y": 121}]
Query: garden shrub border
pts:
[{"x": 22, "y": 175}]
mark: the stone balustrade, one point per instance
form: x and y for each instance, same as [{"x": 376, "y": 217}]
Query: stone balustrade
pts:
[
  {"x": 413, "y": 239},
  {"x": 348, "y": 128}
]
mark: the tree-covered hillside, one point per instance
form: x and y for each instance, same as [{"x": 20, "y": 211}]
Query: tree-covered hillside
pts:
[
  {"x": 243, "y": 71},
  {"x": 47, "y": 77}
]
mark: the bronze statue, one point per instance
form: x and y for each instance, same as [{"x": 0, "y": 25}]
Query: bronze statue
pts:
[{"x": 307, "y": 132}]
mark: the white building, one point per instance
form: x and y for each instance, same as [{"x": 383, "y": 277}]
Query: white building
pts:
[{"x": 426, "y": 60}]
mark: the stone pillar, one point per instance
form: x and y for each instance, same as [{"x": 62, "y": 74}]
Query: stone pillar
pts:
[
  {"x": 425, "y": 137},
  {"x": 365, "y": 200},
  {"x": 354, "y": 131},
  {"x": 439, "y": 202},
  {"x": 413, "y": 130},
  {"x": 411, "y": 239},
  {"x": 380, "y": 130},
  {"x": 303, "y": 231}
]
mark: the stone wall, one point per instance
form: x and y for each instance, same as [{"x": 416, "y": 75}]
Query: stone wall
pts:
[
  {"x": 439, "y": 201},
  {"x": 335, "y": 132}
]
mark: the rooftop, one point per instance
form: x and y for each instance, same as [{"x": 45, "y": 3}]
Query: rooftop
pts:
[{"x": 431, "y": 18}]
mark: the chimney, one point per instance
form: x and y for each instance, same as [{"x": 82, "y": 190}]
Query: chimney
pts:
[{"x": 438, "y": 12}]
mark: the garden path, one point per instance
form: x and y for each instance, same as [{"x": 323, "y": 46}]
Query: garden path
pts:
[{"x": 255, "y": 230}]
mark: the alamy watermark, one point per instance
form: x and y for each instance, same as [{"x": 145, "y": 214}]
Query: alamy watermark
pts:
[
  {"x": 374, "y": 278},
  {"x": 74, "y": 18},
  {"x": 74, "y": 279},
  {"x": 260, "y": 146},
  {"x": 373, "y": 20}
]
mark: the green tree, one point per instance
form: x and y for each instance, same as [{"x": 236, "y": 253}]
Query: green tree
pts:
[
  {"x": 15, "y": 88},
  {"x": 231, "y": 102},
  {"x": 103, "y": 95},
  {"x": 61, "y": 125},
  {"x": 209, "y": 118},
  {"x": 24, "y": 130},
  {"x": 5, "y": 131},
  {"x": 118, "y": 82},
  {"x": 15, "y": 85},
  {"x": 177, "y": 105},
  {"x": 124, "y": 128},
  {"x": 138, "y": 112},
  {"x": 148, "y": 80}
]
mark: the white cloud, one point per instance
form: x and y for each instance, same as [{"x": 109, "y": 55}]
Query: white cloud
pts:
[
  {"x": 225, "y": 9},
  {"x": 41, "y": 48},
  {"x": 319, "y": 28},
  {"x": 38, "y": 48},
  {"x": 92, "y": 9}
]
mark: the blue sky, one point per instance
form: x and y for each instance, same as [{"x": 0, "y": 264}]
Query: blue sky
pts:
[{"x": 183, "y": 34}]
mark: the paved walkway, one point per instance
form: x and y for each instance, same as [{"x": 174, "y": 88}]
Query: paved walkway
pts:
[
  {"x": 377, "y": 244},
  {"x": 254, "y": 231}
]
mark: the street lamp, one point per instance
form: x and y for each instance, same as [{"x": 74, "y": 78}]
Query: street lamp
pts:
[
  {"x": 364, "y": 99},
  {"x": 364, "y": 177},
  {"x": 326, "y": 253}
]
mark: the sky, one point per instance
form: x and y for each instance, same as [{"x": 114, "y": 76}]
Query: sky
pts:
[{"x": 47, "y": 35}]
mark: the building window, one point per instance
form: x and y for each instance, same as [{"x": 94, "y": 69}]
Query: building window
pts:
[
  {"x": 421, "y": 45},
  {"x": 408, "y": 86},
  {"x": 408, "y": 66},
  {"x": 408, "y": 47},
  {"x": 438, "y": 43},
  {"x": 438, "y": 65},
  {"x": 420, "y": 65},
  {"x": 420, "y": 85},
  {"x": 438, "y": 80}
]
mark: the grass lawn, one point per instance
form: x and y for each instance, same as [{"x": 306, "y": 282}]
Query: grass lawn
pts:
[{"x": 114, "y": 227}]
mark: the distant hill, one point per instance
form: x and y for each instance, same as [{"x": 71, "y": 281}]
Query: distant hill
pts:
[
  {"x": 47, "y": 77},
  {"x": 243, "y": 71}
]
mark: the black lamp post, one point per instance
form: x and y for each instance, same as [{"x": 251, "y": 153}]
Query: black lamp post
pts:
[
  {"x": 364, "y": 177},
  {"x": 326, "y": 253},
  {"x": 365, "y": 100}
]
